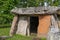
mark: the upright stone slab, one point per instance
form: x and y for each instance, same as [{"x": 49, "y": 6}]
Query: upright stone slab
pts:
[
  {"x": 53, "y": 33},
  {"x": 14, "y": 24},
  {"x": 53, "y": 36},
  {"x": 23, "y": 25},
  {"x": 44, "y": 24}
]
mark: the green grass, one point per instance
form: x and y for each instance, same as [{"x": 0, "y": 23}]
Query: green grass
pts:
[
  {"x": 5, "y": 32},
  {"x": 19, "y": 37},
  {"x": 5, "y": 25}
]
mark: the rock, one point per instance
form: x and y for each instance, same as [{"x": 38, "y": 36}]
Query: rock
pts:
[
  {"x": 4, "y": 37},
  {"x": 23, "y": 25}
]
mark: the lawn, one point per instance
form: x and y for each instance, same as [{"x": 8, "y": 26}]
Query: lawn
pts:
[{"x": 4, "y": 31}]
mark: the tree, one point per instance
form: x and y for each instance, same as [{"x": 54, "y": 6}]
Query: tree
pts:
[{"x": 7, "y": 5}]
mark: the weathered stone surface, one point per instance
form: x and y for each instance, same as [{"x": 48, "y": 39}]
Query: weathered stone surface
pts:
[
  {"x": 53, "y": 33},
  {"x": 44, "y": 24},
  {"x": 23, "y": 25},
  {"x": 36, "y": 10},
  {"x": 53, "y": 36},
  {"x": 14, "y": 24},
  {"x": 54, "y": 25},
  {"x": 4, "y": 37}
]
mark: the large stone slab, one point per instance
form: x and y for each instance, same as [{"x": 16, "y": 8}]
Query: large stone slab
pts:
[
  {"x": 53, "y": 36},
  {"x": 13, "y": 26},
  {"x": 44, "y": 24},
  {"x": 36, "y": 10},
  {"x": 23, "y": 25},
  {"x": 53, "y": 33}
]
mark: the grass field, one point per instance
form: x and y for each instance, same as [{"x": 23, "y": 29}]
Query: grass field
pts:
[{"x": 5, "y": 32}]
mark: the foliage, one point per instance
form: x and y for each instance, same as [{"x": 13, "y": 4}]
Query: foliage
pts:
[
  {"x": 35, "y": 3},
  {"x": 28, "y": 3},
  {"x": 7, "y": 5}
]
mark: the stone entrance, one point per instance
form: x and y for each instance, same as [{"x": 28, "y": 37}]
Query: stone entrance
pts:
[{"x": 34, "y": 21}]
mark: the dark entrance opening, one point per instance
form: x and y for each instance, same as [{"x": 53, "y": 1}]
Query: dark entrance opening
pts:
[{"x": 33, "y": 24}]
